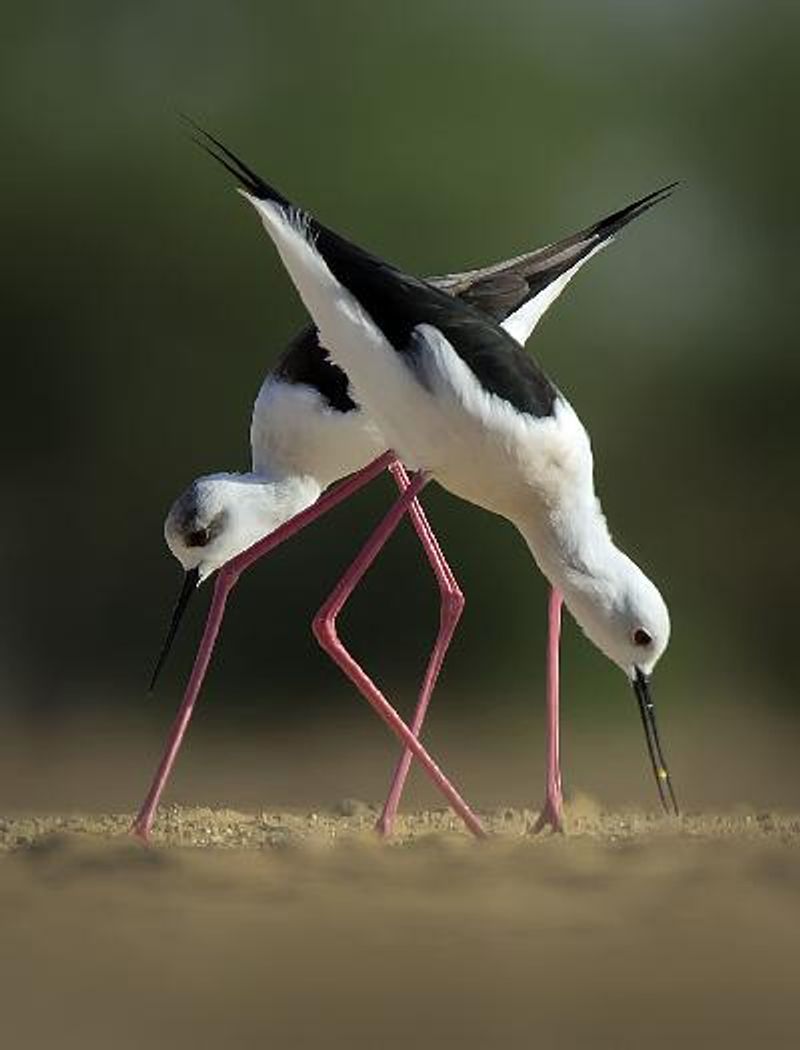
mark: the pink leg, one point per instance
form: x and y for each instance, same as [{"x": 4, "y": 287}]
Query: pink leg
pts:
[
  {"x": 552, "y": 814},
  {"x": 452, "y": 604},
  {"x": 325, "y": 631},
  {"x": 226, "y": 579}
]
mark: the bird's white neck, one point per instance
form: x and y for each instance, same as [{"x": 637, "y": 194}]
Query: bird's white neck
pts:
[
  {"x": 273, "y": 497},
  {"x": 257, "y": 504},
  {"x": 570, "y": 539},
  {"x": 607, "y": 594}
]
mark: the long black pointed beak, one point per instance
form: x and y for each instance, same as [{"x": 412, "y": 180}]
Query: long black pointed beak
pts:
[
  {"x": 190, "y": 582},
  {"x": 648, "y": 713}
]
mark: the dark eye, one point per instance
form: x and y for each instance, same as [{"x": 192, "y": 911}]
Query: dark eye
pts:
[
  {"x": 198, "y": 538},
  {"x": 641, "y": 637}
]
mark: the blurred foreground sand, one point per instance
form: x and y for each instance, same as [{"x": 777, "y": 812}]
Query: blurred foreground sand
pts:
[
  {"x": 286, "y": 930},
  {"x": 290, "y": 926}
]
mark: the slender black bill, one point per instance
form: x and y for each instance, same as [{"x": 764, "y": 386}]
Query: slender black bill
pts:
[
  {"x": 190, "y": 581},
  {"x": 648, "y": 713}
]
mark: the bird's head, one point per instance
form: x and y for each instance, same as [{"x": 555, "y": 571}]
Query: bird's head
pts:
[
  {"x": 218, "y": 517},
  {"x": 639, "y": 622},
  {"x": 623, "y": 613},
  {"x": 211, "y": 522}
]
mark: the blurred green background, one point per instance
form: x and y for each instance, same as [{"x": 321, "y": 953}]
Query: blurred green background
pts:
[{"x": 143, "y": 304}]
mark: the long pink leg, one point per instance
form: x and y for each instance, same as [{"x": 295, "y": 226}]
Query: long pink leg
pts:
[
  {"x": 552, "y": 813},
  {"x": 324, "y": 626},
  {"x": 452, "y": 605},
  {"x": 226, "y": 579}
]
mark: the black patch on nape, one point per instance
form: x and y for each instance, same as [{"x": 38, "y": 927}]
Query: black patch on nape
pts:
[
  {"x": 217, "y": 525},
  {"x": 306, "y": 361},
  {"x": 502, "y": 289},
  {"x": 186, "y": 514}
]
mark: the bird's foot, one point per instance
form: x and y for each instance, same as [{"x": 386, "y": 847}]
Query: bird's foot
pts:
[
  {"x": 384, "y": 825},
  {"x": 140, "y": 830},
  {"x": 551, "y": 815}
]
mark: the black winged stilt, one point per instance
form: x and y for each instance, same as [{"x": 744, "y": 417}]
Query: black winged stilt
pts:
[{"x": 306, "y": 432}]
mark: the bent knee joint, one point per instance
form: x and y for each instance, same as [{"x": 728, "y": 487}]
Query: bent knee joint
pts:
[
  {"x": 453, "y": 603},
  {"x": 324, "y": 626}
]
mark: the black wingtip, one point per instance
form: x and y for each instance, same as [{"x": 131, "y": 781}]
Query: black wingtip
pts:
[
  {"x": 611, "y": 224},
  {"x": 244, "y": 175}
]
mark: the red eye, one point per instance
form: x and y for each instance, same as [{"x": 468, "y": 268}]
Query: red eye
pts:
[{"x": 641, "y": 637}]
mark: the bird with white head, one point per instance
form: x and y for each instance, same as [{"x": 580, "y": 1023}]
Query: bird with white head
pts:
[
  {"x": 458, "y": 401},
  {"x": 308, "y": 431}
]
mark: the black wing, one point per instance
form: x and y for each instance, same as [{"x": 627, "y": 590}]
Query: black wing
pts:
[
  {"x": 398, "y": 302},
  {"x": 499, "y": 291},
  {"x": 502, "y": 289},
  {"x": 306, "y": 361}
]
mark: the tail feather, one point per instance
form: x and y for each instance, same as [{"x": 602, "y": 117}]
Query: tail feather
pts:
[
  {"x": 244, "y": 175},
  {"x": 613, "y": 223}
]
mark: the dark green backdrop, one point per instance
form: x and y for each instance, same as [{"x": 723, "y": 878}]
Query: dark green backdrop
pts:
[{"x": 142, "y": 305}]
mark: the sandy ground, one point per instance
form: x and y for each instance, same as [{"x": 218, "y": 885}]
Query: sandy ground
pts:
[
  {"x": 293, "y": 926},
  {"x": 302, "y": 930}
]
